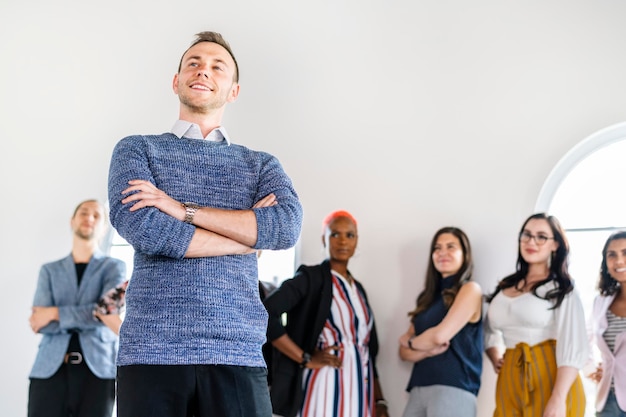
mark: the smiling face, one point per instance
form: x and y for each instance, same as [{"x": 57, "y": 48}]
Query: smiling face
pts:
[
  {"x": 616, "y": 260},
  {"x": 447, "y": 254},
  {"x": 88, "y": 220},
  {"x": 206, "y": 80},
  {"x": 531, "y": 247},
  {"x": 340, "y": 239}
]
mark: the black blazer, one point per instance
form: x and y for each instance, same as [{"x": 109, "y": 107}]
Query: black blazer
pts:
[{"x": 306, "y": 298}]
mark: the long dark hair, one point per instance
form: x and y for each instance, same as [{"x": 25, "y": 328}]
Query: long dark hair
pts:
[
  {"x": 558, "y": 267},
  {"x": 433, "y": 277},
  {"x": 607, "y": 284}
]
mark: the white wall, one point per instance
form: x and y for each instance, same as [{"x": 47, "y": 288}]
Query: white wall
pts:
[{"x": 411, "y": 114}]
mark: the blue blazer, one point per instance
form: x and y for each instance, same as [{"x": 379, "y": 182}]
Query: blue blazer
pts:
[{"x": 58, "y": 286}]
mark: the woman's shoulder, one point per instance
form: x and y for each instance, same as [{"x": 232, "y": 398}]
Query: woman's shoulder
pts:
[
  {"x": 470, "y": 288},
  {"x": 313, "y": 273},
  {"x": 314, "y": 269},
  {"x": 602, "y": 302}
]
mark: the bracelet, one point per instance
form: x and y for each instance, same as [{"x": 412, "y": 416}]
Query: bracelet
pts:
[
  {"x": 306, "y": 358},
  {"x": 382, "y": 402},
  {"x": 410, "y": 345}
]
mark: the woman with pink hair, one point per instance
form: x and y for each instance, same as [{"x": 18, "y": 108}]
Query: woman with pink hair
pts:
[{"x": 325, "y": 354}]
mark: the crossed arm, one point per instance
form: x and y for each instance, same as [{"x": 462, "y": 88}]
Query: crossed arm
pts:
[
  {"x": 112, "y": 321},
  {"x": 415, "y": 355},
  {"x": 218, "y": 231},
  {"x": 42, "y": 316},
  {"x": 466, "y": 308}
]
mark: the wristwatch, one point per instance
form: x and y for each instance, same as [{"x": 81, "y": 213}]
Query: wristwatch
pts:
[
  {"x": 306, "y": 358},
  {"x": 190, "y": 211}
]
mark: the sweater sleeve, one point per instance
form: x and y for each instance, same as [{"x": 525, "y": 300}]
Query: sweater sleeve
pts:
[
  {"x": 148, "y": 230},
  {"x": 278, "y": 227}
]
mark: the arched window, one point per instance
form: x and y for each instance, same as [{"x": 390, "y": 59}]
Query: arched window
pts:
[{"x": 584, "y": 192}]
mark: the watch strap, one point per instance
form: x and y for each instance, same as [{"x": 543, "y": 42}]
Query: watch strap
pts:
[{"x": 190, "y": 211}]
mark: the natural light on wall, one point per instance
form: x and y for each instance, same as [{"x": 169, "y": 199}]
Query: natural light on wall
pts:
[{"x": 584, "y": 192}]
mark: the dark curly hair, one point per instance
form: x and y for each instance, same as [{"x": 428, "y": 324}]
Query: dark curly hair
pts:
[{"x": 607, "y": 285}]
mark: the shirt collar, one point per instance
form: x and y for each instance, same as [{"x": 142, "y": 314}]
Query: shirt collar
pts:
[{"x": 183, "y": 128}]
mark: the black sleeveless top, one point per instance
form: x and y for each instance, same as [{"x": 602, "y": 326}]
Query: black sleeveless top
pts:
[{"x": 461, "y": 365}]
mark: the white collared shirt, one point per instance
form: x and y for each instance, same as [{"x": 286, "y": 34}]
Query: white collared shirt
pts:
[{"x": 183, "y": 128}]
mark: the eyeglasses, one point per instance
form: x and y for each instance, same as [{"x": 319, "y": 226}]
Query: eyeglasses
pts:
[{"x": 526, "y": 237}]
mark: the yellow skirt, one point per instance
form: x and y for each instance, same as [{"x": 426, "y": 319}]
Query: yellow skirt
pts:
[{"x": 526, "y": 379}]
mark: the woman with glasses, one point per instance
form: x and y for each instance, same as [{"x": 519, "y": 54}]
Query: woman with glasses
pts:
[
  {"x": 444, "y": 340},
  {"x": 536, "y": 314},
  {"x": 608, "y": 329}
]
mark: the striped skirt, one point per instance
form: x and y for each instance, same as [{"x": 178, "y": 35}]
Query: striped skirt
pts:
[{"x": 526, "y": 379}]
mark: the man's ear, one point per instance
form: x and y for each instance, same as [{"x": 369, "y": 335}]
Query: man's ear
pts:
[
  {"x": 234, "y": 93},
  {"x": 175, "y": 84}
]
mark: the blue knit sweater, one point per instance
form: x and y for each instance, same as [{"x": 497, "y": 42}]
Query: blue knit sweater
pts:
[{"x": 203, "y": 310}]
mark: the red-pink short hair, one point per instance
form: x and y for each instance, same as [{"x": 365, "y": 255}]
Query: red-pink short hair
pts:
[{"x": 335, "y": 215}]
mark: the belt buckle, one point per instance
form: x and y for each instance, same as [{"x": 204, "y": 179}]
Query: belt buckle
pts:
[{"x": 74, "y": 358}]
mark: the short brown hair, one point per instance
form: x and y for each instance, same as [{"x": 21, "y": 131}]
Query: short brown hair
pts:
[
  {"x": 215, "y": 38},
  {"x": 91, "y": 200}
]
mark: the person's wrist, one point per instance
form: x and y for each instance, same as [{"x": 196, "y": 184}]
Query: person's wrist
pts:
[
  {"x": 306, "y": 358},
  {"x": 410, "y": 343},
  {"x": 190, "y": 211}
]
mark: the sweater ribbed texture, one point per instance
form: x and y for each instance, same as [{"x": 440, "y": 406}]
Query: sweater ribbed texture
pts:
[{"x": 203, "y": 310}]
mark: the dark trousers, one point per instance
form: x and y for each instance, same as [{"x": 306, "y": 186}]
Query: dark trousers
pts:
[
  {"x": 73, "y": 391},
  {"x": 192, "y": 391}
]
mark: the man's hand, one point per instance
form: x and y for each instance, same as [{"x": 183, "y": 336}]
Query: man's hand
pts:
[
  {"x": 42, "y": 316},
  {"x": 112, "y": 321},
  {"x": 267, "y": 201},
  {"x": 147, "y": 195}
]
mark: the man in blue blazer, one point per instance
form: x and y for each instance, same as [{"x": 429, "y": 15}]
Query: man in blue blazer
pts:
[{"x": 74, "y": 371}]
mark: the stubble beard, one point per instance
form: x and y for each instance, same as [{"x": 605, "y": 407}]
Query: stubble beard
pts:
[
  {"x": 85, "y": 236},
  {"x": 203, "y": 107}
]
